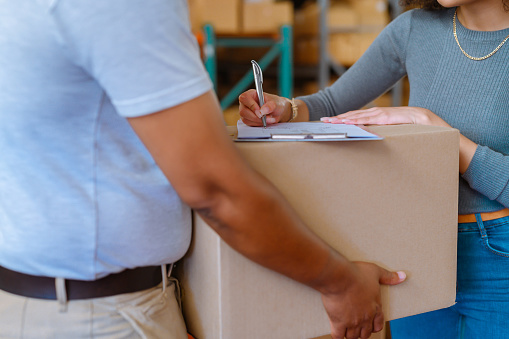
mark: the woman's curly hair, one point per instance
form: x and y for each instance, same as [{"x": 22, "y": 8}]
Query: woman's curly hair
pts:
[{"x": 434, "y": 5}]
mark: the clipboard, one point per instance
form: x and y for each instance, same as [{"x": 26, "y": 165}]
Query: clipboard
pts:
[{"x": 304, "y": 131}]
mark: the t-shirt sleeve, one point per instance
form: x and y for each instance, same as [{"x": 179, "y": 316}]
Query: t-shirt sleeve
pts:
[
  {"x": 488, "y": 173},
  {"x": 142, "y": 53},
  {"x": 379, "y": 68}
]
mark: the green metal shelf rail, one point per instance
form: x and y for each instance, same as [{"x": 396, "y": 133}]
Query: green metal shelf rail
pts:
[{"x": 280, "y": 46}]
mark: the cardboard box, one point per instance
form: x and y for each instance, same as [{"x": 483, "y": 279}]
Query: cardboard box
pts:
[
  {"x": 353, "y": 26},
  {"x": 339, "y": 15},
  {"x": 372, "y": 12},
  {"x": 223, "y": 15},
  {"x": 344, "y": 48},
  {"x": 266, "y": 17},
  {"x": 392, "y": 202},
  {"x": 306, "y": 51},
  {"x": 343, "y": 15},
  {"x": 347, "y": 48}
]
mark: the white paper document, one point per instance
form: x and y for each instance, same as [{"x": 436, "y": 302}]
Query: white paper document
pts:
[{"x": 305, "y": 131}]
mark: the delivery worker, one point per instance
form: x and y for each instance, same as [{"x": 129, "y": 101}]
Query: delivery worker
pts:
[{"x": 109, "y": 134}]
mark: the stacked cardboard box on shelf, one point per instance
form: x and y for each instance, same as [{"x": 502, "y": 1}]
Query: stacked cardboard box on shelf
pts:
[
  {"x": 233, "y": 17},
  {"x": 224, "y": 15},
  {"x": 354, "y": 25},
  {"x": 266, "y": 16}
]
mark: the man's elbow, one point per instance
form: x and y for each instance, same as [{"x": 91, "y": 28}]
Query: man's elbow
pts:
[{"x": 199, "y": 195}]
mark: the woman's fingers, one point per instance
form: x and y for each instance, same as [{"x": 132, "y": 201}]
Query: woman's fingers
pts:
[
  {"x": 249, "y": 108},
  {"x": 350, "y": 115},
  {"x": 377, "y": 116},
  {"x": 251, "y": 113},
  {"x": 248, "y": 116},
  {"x": 250, "y": 100}
]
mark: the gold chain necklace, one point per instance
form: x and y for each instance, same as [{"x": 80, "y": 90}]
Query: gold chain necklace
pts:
[{"x": 465, "y": 53}]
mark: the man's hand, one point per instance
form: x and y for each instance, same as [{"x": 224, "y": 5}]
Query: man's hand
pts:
[{"x": 356, "y": 310}]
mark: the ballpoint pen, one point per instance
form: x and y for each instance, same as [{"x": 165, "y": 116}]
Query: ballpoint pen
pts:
[{"x": 258, "y": 79}]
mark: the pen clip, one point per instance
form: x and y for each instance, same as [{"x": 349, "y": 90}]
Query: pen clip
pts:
[{"x": 258, "y": 79}]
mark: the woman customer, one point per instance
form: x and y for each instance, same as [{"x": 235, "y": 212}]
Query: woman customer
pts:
[{"x": 456, "y": 56}]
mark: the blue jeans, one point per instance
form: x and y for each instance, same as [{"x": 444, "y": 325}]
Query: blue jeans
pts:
[{"x": 482, "y": 295}]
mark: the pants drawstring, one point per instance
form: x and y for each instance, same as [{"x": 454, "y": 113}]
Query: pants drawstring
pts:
[
  {"x": 61, "y": 294},
  {"x": 166, "y": 274}
]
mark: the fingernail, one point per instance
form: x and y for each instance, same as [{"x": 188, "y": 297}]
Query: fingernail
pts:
[
  {"x": 271, "y": 120},
  {"x": 401, "y": 275},
  {"x": 345, "y": 120},
  {"x": 333, "y": 120},
  {"x": 264, "y": 110},
  {"x": 258, "y": 113},
  {"x": 324, "y": 119}
]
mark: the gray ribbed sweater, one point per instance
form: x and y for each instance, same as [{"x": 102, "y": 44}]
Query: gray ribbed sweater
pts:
[{"x": 472, "y": 96}]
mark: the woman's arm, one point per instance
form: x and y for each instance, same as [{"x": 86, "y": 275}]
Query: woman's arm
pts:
[{"x": 381, "y": 66}]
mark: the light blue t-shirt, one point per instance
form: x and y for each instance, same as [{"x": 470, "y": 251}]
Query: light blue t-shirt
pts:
[{"x": 80, "y": 196}]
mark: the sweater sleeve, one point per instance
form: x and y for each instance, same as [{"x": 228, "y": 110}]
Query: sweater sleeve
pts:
[
  {"x": 381, "y": 66},
  {"x": 488, "y": 174}
]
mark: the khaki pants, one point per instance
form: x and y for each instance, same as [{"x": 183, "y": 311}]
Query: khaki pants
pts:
[{"x": 150, "y": 314}]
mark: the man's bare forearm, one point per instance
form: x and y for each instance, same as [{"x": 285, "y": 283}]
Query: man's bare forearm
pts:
[
  {"x": 268, "y": 232},
  {"x": 244, "y": 208}
]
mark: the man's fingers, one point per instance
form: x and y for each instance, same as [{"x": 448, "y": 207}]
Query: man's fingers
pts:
[
  {"x": 391, "y": 278},
  {"x": 353, "y": 333},
  {"x": 378, "y": 322},
  {"x": 366, "y": 331},
  {"x": 338, "y": 332}
]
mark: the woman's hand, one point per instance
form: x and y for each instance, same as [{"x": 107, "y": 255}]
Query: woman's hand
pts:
[
  {"x": 404, "y": 115},
  {"x": 275, "y": 108},
  {"x": 388, "y": 116}
]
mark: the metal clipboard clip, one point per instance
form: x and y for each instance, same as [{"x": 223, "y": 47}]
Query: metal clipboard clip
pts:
[{"x": 306, "y": 136}]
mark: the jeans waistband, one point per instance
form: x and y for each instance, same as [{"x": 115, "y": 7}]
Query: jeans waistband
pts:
[
  {"x": 471, "y": 226},
  {"x": 466, "y": 218}
]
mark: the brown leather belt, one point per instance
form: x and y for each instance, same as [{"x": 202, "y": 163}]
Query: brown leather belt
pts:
[
  {"x": 464, "y": 218},
  {"x": 127, "y": 281}
]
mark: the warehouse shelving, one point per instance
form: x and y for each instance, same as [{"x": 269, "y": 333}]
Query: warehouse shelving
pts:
[
  {"x": 280, "y": 46},
  {"x": 326, "y": 62}
]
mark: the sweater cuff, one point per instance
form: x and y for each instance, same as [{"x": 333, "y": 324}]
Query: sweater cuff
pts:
[
  {"x": 488, "y": 172},
  {"x": 316, "y": 106}
]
